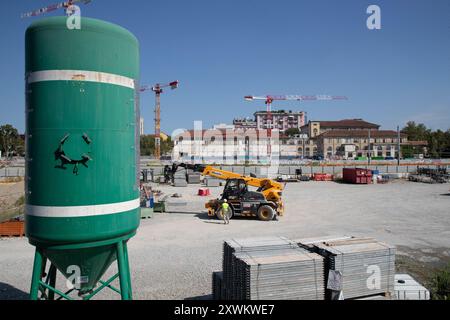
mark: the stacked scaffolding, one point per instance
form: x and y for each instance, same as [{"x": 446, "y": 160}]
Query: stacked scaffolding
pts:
[
  {"x": 268, "y": 268},
  {"x": 367, "y": 265}
]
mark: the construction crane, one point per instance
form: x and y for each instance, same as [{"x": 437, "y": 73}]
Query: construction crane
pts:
[
  {"x": 66, "y": 5},
  {"x": 158, "y": 89},
  {"x": 270, "y": 98}
]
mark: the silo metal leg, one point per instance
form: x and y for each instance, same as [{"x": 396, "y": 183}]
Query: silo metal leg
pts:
[
  {"x": 52, "y": 283},
  {"x": 37, "y": 274},
  {"x": 123, "y": 272},
  {"x": 127, "y": 264}
]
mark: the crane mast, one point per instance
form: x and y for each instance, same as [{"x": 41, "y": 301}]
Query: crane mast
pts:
[
  {"x": 158, "y": 89},
  {"x": 270, "y": 98}
]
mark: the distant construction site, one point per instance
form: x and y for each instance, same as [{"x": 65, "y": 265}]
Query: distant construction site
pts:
[{"x": 288, "y": 199}]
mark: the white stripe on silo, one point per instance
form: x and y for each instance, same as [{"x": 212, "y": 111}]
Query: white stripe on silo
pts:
[
  {"x": 81, "y": 211},
  {"x": 80, "y": 75}
]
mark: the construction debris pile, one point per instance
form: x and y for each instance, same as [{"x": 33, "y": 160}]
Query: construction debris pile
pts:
[
  {"x": 279, "y": 268},
  {"x": 429, "y": 175}
]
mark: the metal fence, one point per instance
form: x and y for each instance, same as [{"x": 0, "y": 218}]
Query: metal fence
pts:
[{"x": 12, "y": 172}]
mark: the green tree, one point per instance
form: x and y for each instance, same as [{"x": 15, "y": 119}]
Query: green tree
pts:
[
  {"x": 292, "y": 132},
  {"x": 166, "y": 146},
  {"x": 440, "y": 284},
  {"x": 9, "y": 137},
  {"x": 147, "y": 144},
  {"x": 439, "y": 144},
  {"x": 416, "y": 132},
  {"x": 438, "y": 141}
]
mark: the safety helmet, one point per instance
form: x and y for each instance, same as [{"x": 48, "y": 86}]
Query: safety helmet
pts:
[{"x": 224, "y": 200}]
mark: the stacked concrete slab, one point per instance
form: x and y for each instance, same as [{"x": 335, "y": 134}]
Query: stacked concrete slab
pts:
[
  {"x": 179, "y": 178},
  {"x": 193, "y": 178},
  {"x": 248, "y": 170},
  {"x": 212, "y": 182},
  {"x": 238, "y": 170},
  {"x": 283, "y": 170},
  {"x": 226, "y": 168},
  {"x": 261, "y": 172}
]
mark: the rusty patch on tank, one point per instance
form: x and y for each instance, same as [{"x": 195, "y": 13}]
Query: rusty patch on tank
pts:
[{"x": 78, "y": 77}]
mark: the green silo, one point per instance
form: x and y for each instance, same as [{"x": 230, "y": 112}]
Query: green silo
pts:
[{"x": 82, "y": 182}]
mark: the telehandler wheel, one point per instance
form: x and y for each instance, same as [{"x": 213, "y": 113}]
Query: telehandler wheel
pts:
[
  {"x": 266, "y": 213},
  {"x": 219, "y": 214}
]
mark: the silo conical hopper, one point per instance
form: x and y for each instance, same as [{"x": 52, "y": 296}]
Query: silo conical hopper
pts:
[{"x": 82, "y": 175}]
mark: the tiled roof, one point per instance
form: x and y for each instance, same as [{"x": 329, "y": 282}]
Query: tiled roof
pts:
[
  {"x": 348, "y": 123},
  {"x": 238, "y": 132},
  {"x": 361, "y": 134},
  {"x": 417, "y": 143}
]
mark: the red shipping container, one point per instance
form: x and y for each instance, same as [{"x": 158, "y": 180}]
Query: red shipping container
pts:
[{"x": 357, "y": 175}]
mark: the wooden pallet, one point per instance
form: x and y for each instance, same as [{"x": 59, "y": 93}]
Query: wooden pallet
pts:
[{"x": 379, "y": 296}]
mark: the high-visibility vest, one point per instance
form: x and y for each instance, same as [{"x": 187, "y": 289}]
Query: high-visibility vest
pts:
[{"x": 225, "y": 206}]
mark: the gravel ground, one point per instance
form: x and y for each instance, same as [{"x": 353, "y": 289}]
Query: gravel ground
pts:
[{"x": 173, "y": 254}]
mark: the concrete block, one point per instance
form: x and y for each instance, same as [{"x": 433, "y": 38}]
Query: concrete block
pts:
[
  {"x": 157, "y": 171},
  {"x": 292, "y": 170},
  {"x": 226, "y": 168},
  {"x": 180, "y": 183},
  {"x": 180, "y": 173},
  {"x": 283, "y": 170},
  {"x": 329, "y": 170},
  {"x": 212, "y": 182},
  {"x": 249, "y": 170},
  {"x": 193, "y": 178},
  {"x": 238, "y": 170}
]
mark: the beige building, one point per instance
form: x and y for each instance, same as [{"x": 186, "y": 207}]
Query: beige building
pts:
[
  {"x": 344, "y": 139},
  {"x": 315, "y": 128},
  {"x": 225, "y": 146},
  {"x": 348, "y": 144},
  {"x": 348, "y": 139},
  {"x": 279, "y": 119}
]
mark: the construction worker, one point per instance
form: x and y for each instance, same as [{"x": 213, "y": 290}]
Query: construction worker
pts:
[{"x": 225, "y": 211}]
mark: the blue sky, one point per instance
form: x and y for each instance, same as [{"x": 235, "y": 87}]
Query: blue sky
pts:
[{"x": 223, "y": 50}]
